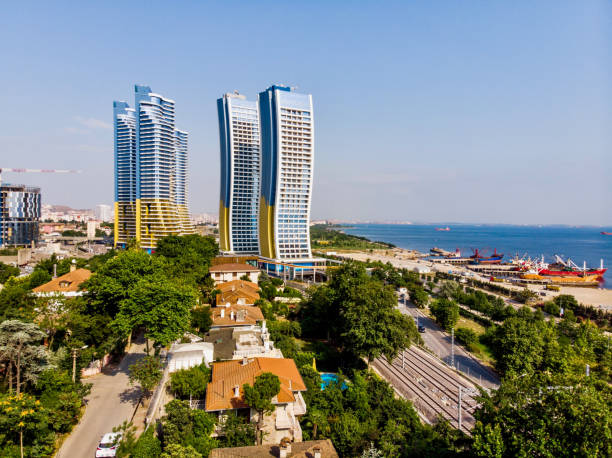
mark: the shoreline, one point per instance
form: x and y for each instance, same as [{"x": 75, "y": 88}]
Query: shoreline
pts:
[{"x": 598, "y": 298}]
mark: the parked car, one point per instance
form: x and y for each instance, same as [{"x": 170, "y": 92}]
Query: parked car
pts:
[
  {"x": 421, "y": 328},
  {"x": 108, "y": 445}
]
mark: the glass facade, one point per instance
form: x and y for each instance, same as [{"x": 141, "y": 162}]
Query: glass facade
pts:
[
  {"x": 150, "y": 171},
  {"x": 240, "y": 172},
  {"x": 287, "y": 139},
  {"x": 19, "y": 214}
]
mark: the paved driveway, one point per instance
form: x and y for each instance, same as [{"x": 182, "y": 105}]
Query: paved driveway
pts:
[
  {"x": 111, "y": 401},
  {"x": 439, "y": 342}
]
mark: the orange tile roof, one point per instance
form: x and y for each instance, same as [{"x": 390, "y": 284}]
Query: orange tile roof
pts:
[
  {"x": 233, "y": 290},
  {"x": 251, "y": 313},
  {"x": 298, "y": 450},
  {"x": 69, "y": 282},
  {"x": 233, "y": 268},
  {"x": 228, "y": 374}
]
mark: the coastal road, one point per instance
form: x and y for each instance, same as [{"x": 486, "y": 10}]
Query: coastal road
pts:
[
  {"x": 439, "y": 342},
  {"x": 111, "y": 401}
]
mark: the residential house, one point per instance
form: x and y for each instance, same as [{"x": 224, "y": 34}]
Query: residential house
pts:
[
  {"x": 187, "y": 355},
  {"x": 235, "y": 316},
  {"x": 225, "y": 396},
  {"x": 309, "y": 449},
  {"x": 238, "y": 342},
  {"x": 239, "y": 292},
  {"x": 222, "y": 273},
  {"x": 68, "y": 285}
]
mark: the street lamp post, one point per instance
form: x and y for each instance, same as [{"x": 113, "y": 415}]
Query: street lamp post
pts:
[{"x": 74, "y": 355}]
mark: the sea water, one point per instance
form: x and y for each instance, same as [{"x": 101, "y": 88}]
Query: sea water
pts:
[{"x": 578, "y": 243}]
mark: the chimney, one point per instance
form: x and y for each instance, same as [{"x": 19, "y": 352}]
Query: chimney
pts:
[
  {"x": 263, "y": 326},
  {"x": 54, "y": 270},
  {"x": 283, "y": 452},
  {"x": 232, "y": 315},
  {"x": 317, "y": 452},
  {"x": 245, "y": 360},
  {"x": 236, "y": 391},
  {"x": 73, "y": 265},
  {"x": 222, "y": 313}
]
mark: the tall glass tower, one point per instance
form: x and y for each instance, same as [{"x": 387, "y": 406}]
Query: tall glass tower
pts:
[
  {"x": 240, "y": 174},
  {"x": 287, "y": 161},
  {"x": 150, "y": 171}
]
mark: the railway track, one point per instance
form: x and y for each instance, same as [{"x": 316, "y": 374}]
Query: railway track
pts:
[
  {"x": 422, "y": 366},
  {"x": 424, "y": 398}
]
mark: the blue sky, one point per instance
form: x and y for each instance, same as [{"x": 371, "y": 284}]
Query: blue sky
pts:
[{"x": 471, "y": 111}]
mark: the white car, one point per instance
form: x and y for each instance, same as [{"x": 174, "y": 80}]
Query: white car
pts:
[{"x": 108, "y": 445}]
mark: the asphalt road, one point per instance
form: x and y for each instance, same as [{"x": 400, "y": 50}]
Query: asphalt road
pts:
[
  {"x": 111, "y": 401},
  {"x": 439, "y": 342}
]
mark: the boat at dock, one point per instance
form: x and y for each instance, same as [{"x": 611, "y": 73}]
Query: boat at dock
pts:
[
  {"x": 478, "y": 258},
  {"x": 560, "y": 268}
]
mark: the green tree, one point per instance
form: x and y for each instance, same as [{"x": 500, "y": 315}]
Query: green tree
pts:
[
  {"x": 189, "y": 255},
  {"x": 7, "y": 271},
  {"x": 22, "y": 352},
  {"x": 419, "y": 297},
  {"x": 237, "y": 432},
  {"x": 201, "y": 318},
  {"x": 372, "y": 324},
  {"x": 24, "y": 427},
  {"x": 191, "y": 382},
  {"x": 147, "y": 373},
  {"x": 16, "y": 302},
  {"x": 545, "y": 415},
  {"x": 259, "y": 397},
  {"x": 186, "y": 427},
  {"x": 159, "y": 305},
  {"x": 113, "y": 283},
  {"x": 179, "y": 451},
  {"x": 446, "y": 312}
]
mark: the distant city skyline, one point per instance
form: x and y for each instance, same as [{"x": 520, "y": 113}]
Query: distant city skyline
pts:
[{"x": 475, "y": 112}]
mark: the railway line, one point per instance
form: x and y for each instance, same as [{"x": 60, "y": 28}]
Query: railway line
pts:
[
  {"x": 432, "y": 388},
  {"x": 441, "y": 382}
]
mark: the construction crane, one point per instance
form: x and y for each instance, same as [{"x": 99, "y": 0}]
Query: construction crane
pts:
[{"x": 35, "y": 171}]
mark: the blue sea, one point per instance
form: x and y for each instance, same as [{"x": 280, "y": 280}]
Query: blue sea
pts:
[{"x": 578, "y": 243}]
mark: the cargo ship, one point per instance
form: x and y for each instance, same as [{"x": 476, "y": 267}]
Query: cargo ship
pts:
[
  {"x": 559, "y": 268},
  {"x": 569, "y": 268},
  {"x": 478, "y": 258}
]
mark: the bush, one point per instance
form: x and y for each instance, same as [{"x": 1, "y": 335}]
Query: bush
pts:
[
  {"x": 552, "y": 308},
  {"x": 446, "y": 313},
  {"x": 466, "y": 336},
  {"x": 201, "y": 318},
  {"x": 190, "y": 382}
]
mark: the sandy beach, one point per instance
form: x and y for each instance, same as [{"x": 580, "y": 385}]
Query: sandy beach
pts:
[{"x": 410, "y": 259}]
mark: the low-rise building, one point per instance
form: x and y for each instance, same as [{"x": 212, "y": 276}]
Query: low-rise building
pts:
[
  {"x": 68, "y": 285},
  {"x": 188, "y": 355},
  {"x": 236, "y": 343},
  {"x": 224, "y": 395},
  {"x": 239, "y": 292},
  {"x": 309, "y": 449},
  {"x": 233, "y": 316},
  {"x": 222, "y": 273}
]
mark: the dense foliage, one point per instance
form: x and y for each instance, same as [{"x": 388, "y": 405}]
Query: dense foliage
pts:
[
  {"x": 327, "y": 237},
  {"x": 190, "y": 383},
  {"x": 357, "y": 313},
  {"x": 545, "y": 415},
  {"x": 186, "y": 428}
]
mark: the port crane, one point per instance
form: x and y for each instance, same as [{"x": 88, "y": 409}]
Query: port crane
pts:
[{"x": 4, "y": 169}]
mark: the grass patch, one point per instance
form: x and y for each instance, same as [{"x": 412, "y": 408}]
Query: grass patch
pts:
[{"x": 470, "y": 324}]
